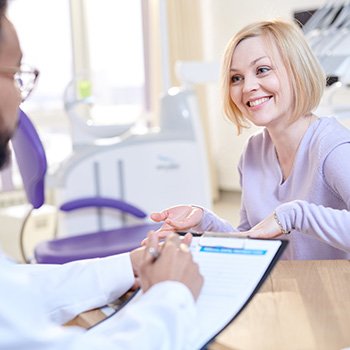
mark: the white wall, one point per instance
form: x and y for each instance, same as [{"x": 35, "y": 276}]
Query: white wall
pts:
[{"x": 221, "y": 19}]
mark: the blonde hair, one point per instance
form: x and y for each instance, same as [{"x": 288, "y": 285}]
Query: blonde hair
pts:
[{"x": 307, "y": 78}]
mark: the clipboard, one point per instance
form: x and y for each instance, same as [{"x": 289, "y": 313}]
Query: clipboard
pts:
[{"x": 216, "y": 306}]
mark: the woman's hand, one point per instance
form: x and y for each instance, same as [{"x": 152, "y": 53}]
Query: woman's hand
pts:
[
  {"x": 178, "y": 218},
  {"x": 268, "y": 228}
]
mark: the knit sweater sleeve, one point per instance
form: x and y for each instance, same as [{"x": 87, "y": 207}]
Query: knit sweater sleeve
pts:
[
  {"x": 243, "y": 223},
  {"x": 212, "y": 222},
  {"x": 327, "y": 224}
]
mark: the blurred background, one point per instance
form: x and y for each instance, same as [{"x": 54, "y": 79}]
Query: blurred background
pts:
[{"x": 131, "y": 76}]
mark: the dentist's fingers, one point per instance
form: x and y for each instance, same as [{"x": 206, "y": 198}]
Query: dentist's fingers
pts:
[
  {"x": 187, "y": 239},
  {"x": 151, "y": 253}
]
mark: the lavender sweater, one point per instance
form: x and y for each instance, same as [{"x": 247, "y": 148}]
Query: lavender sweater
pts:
[{"x": 313, "y": 202}]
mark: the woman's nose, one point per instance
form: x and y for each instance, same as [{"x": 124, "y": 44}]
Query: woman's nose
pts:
[{"x": 250, "y": 83}]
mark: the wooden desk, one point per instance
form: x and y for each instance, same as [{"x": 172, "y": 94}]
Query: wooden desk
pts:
[{"x": 303, "y": 305}]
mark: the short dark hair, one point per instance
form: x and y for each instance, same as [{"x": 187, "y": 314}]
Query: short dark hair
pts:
[{"x": 3, "y": 5}]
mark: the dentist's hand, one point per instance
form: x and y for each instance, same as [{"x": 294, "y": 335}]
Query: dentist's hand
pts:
[
  {"x": 171, "y": 261},
  {"x": 137, "y": 255}
]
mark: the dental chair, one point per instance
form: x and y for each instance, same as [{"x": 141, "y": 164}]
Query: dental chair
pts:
[{"x": 31, "y": 160}]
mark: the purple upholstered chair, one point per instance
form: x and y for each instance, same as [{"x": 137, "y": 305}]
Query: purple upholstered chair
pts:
[{"x": 32, "y": 165}]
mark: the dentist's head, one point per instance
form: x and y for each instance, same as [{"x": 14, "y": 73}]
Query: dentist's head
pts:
[{"x": 14, "y": 81}]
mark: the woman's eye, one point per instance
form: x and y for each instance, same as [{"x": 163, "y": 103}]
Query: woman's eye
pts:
[
  {"x": 262, "y": 70},
  {"x": 236, "y": 79}
]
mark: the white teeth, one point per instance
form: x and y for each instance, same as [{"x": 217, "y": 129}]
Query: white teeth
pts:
[{"x": 258, "y": 102}]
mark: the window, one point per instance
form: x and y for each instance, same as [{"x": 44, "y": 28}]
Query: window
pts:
[
  {"x": 111, "y": 45},
  {"x": 44, "y": 30},
  {"x": 115, "y": 45}
]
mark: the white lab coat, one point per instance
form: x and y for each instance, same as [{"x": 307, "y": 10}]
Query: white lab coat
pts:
[{"x": 36, "y": 299}]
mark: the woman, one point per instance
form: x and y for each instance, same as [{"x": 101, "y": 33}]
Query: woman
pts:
[{"x": 294, "y": 173}]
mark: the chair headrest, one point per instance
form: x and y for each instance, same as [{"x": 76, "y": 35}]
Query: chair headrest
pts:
[{"x": 31, "y": 159}]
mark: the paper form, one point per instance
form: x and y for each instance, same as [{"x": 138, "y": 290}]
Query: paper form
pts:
[{"x": 232, "y": 269}]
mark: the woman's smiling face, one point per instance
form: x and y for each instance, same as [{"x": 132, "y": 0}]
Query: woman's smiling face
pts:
[{"x": 260, "y": 87}]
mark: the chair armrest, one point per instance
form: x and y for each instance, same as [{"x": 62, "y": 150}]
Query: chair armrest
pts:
[{"x": 102, "y": 202}]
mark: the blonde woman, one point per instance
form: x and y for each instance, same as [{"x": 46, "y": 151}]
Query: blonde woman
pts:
[{"x": 294, "y": 173}]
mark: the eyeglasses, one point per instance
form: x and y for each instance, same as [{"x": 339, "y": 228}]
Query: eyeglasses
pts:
[{"x": 24, "y": 76}]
